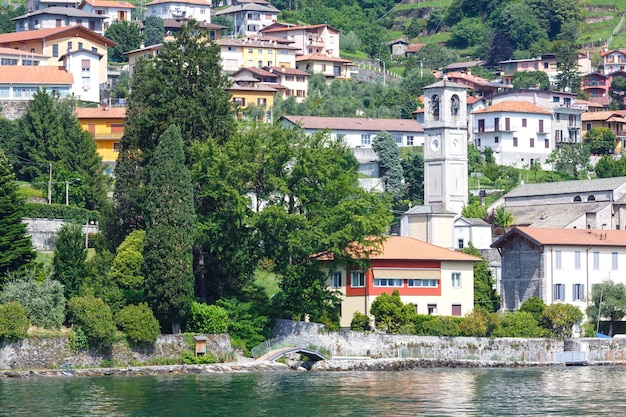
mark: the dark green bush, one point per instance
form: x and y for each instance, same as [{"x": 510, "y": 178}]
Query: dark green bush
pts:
[
  {"x": 209, "y": 319},
  {"x": 443, "y": 326},
  {"x": 59, "y": 211},
  {"x": 138, "y": 324},
  {"x": 43, "y": 300},
  {"x": 14, "y": 322},
  {"x": 360, "y": 322},
  {"x": 95, "y": 319},
  {"x": 189, "y": 358}
]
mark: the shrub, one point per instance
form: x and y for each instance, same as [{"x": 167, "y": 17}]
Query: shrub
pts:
[
  {"x": 534, "y": 306},
  {"x": 520, "y": 324},
  {"x": 78, "y": 340},
  {"x": 560, "y": 318},
  {"x": 443, "y": 326},
  {"x": 390, "y": 314},
  {"x": 189, "y": 358},
  {"x": 95, "y": 319},
  {"x": 138, "y": 324},
  {"x": 360, "y": 322},
  {"x": 59, "y": 211},
  {"x": 209, "y": 319},
  {"x": 14, "y": 322},
  {"x": 43, "y": 300}
]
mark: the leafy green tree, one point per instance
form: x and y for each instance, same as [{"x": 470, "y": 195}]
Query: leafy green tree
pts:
[
  {"x": 248, "y": 321},
  {"x": 169, "y": 232},
  {"x": 474, "y": 158},
  {"x": 566, "y": 51},
  {"x": 225, "y": 21},
  {"x": 360, "y": 322},
  {"x": 609, "y": 167},
  {"x": 138, "y": 324},
  {"x": 389, "y": 160},
  {"x": 7, "y": 25},
  {"x": 601, "y": 140},
  {"x": 70, "y": 255},
  {"x": 349, "y": 42},
  {"x": 485, "y": 295},
  {"x": 414, "y": 28},
  {"x": 154, "y": 30},
  {"x": 474, "y": 210},
  {"x": 560, "y": 318},
  {"x": 519, "y": 324},
  {"x": 204, "y": 318},
  {"x": 43, "y": 300},
  {"x": 502, "y": 217},
  {"x": 127, "y": 267},
  {"x": 534, "y": 306},
  {"x": 519, "y": 23},
  {"x": 128, "y": 37},
  {"x": 413, "y": 170},
  {"x": 8, "y": 133},
  {"x": 470, "y": 31},
  {"x": 608, "y": 301},
  {"x": 390, "y": 314},
  {"x": 16, "y": 249},
  {"x": 14, "y": 322},
  {"x": 94, "y": 318},
  {"x": 499, "y": 47},
  {"x": 573, "y": 159},
  {"x": 531, "y": 79},
  {"x": 480, "y": 323}
]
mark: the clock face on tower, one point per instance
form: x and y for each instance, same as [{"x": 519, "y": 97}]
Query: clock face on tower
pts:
[
  {"x": 456, "y": 144},
  {"x": 435, "y": 144}
]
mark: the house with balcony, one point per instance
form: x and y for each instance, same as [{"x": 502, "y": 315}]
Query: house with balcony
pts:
[
  {"x": 174, "y": 26},
  {"x": 289, "y": 82},
  {"x": 56, "y": 17},
  {"x": 250, "y": 52},
  {"x": 558, "y": 265},
  {"x": 597, "y": 86},
  {"x": 310, "y": 39},
  {"x": 84, "y": 65},
  {"x": 434, "y": 280},
  {"x": 56, "y": 42},
  {"x": 34, "y": 5},
  {"x": 199, "y": 10},
  {"x": 249, "y": 18},
  {"x": 247, "y": 90},
  {"x": 328, "y": 66},
  {"x": 477, "y": 86},
  {"x": 613, "y": 60},
  {"x": 106, "y": 125},
  {"x": 546, "y": 63},
  {"x": 566, "y": 111},
  {"x": 518, "y": 132},
  {"x": 19, "y": 83},
  {"x": 112, "y": 10},
  {"x": 613, "y": 120},
  {"x": 10, "y": 56}
]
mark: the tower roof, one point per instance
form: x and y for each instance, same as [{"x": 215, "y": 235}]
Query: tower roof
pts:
[{"x": 446, "y": 83}]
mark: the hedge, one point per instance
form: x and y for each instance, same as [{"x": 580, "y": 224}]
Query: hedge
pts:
[{"x": 59, "y": 211}]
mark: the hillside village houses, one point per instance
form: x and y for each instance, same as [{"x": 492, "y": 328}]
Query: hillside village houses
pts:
[
  {"x": 54, "y": 17},
  {"x": 199, "y": 10},
  {"x": 250, "y": 17},
  {"x": 113, "y": 10}
]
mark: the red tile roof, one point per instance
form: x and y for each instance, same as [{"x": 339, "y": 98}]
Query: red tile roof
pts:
[
  {"x": 36, "y": 75},
  {"x": 289, "y": 27},
  {"x": 573, "y": 237},
  {"x": 356, "y": 123},
  {"x": 108, "y": 3},
  {"x": 320, "y": 57},
  {"x": 27, "y": 35},
  {"x": 514, "y": 107},
  {"x": 100, "y": 113},
  {"x": 601, "y": 116},
  {"x": 200, "y": 2},
  {"x": 12, "y": 51},
  {"x": 290, "y": 71}
]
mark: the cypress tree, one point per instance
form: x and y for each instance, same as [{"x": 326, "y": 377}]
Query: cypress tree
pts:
[
  {"x": 168, "y": 243},
  {"x": 16, "y": 250},
  {"x": 70, "y": 256}
]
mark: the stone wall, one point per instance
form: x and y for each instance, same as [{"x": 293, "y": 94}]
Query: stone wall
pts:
[
  {"x": 13, "y": 110},
  {"x": 51, "y": 353},
  {"x": 43, "y": 232}
]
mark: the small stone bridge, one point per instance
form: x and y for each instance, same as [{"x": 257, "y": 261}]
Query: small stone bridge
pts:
[{"x": 274, "y": 349}]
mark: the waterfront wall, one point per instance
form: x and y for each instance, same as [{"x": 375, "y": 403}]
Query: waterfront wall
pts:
[
  {"x": 428, "y": 351},
  {"x": 52, "y": 352}
]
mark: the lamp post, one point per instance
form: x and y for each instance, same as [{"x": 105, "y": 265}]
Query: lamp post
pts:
[
  {"x": 384, "y": 69},
  {"x": 67, "y": 190}
]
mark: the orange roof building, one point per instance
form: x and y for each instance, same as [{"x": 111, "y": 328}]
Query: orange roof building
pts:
[
  {"x": 21, "y": 82},
  {"x": 433, "y": 279},
  {"x": 106, "y": 125}
]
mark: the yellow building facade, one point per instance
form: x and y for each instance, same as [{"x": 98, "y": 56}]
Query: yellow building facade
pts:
[{"x": 106, "y": 125}]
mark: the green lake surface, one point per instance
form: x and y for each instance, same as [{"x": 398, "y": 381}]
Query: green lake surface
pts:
[{"x": 558, "y": 391}]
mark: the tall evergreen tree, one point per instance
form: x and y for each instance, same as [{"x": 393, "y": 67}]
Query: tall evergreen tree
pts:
[
  {"x": 70, "y": 256},
  {"x": 169, "y": 233},
  {"x": 389, "y": 161},
  {"x": 16, "y": 250}
]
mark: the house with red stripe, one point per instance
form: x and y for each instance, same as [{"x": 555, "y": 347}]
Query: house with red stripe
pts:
[{"x": 433, "y": 279}]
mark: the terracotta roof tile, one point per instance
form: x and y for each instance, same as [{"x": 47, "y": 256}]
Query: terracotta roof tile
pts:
[
  {"x": 355, "y": 123},
  {"x": 320, "y": 57},
  {"x": 290, "y": 71},
  {"x": 514, "y": 107},
  {"x": 108, "y": 3},
  {"x": 200, "y": 2},
  {"x": 601, "y": 116},
  {"x": 13, "y": 51},
  {"x": 100, "y": 113},
  {"x": 573, "y": 237},
  {"x": 36, "y": 75},
  {"x": 7, "y": 38}
]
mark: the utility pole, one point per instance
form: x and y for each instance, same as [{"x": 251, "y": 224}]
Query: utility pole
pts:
[
  {"x": 67, "y": 193},
  {"x": 50, "y": 186}
]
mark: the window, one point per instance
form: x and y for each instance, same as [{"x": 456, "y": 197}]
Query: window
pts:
[
  {"x": 336, "y": 280},
  {"x": 524, "y": 121},
  {"x": 559, "y": 292},
  {"x": 432, "y": 308},
  {"x": 515, "y": 142},
  {"x": 260, "y": 51},
  {"x": 323, "y": 67},
  {"x": 86, "y": 83},
  {"x": 507, "y": 123},
  {"x": 55, "y": 50},
  {"x": 496, "y": 139},
  {"x": 588, "y": 125},
  {"x": 456, "y": 310},
  {"x": 80, "y": 45},
  {"x": 456, "y": 280},
  {"x": 357, "y": 279},
  {"x": 116, "y": 146},
  {"x": 546, "y": 143},
  {"x": 557, "y": 261},
  {"x": 388, "y": 282},
  {"x": 481, "y": 125},
  {"x": 577, "y": 199},
  {"x": 240, "y": 101},
  {"x": 461, "y": 243},
  {"x": 578, "y": 292},
  {"x": 397, "y": 138},
  {"x": 94, "y": 50},
  {"x": 591, "y": 198},
  {"x": 250, "y": 50},
  {"x": 577, "y": 259},
  {"x": 409, "y": 141},
  {"x": 555, "y": 99},
  {"x": 260, "y": 63},
  {"x": 614, "y": 260},
  {"x": 8, "y": 61},
  {"x": 366, "y": 139},
  {"x": 429, "y": 283},
  {"x": 596, "y": 260},
  {"x": 85, "y": 64},
  {"x": 69, "y": 46},
  {"x": 532, "y": 142},
  {"x": 541, "y": 126}
]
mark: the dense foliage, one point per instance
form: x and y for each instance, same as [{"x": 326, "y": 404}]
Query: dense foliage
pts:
[
  {"x": 210, "y": 319},
  {"x": 70, "y": 254},
  {"x": 608, "y": 301},
  {"x": 138, "y": 324},
  {"x": 128, "y": 37},
  {"x": 14, "y": 322},
  {"x": 95, "y": 320}
]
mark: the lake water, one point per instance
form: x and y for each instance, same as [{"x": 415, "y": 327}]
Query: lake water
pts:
[{"x": 558, "y": 391}]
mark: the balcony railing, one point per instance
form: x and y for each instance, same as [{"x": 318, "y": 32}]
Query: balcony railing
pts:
[{"x": 104, "y": 136}]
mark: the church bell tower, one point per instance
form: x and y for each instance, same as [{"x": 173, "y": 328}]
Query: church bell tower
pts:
[{"x": 445, "y": 146}]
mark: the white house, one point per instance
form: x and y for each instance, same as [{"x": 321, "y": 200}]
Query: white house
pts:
[
  {"x": 249, "y": 18},
  {"x": 518, "y": 132},
  {"x": 112, "y": 10},
  {"x": 199, "y": 10},
  {"x": 558, "y": 265},
  {"x": 251, "y": 52},
  {"x": 55, "y": 17},
  {"x": 33, "y": 5},
  {"x": 84, "y": 65},
  {"x": 329, "y": 66},
  {"x": 288, "y": 81},
  {"x": 22, "y": 82},
  {"x": 311, "y": 39},
  {"x": 10, "y": 56},
  {"x": 476, "y": 231}
]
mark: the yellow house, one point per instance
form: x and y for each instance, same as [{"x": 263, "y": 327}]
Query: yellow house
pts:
[
  {"x": 613, "y": 120},
  {"x": 106, "y": 125},
  {"x": 248, "y": 90},
  {"x": 56, "y": 42}
]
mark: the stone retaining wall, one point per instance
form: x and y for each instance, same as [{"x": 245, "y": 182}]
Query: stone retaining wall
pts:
[{"x": 51, "y": 353}]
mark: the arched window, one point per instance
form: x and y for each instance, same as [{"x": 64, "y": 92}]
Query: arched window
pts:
[
  {"x": 455, "y": 105},
  {"x": 577, "y": 199},
  {"x": 434, "y": 106},
  {"x": 591, "y": 198}
]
